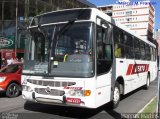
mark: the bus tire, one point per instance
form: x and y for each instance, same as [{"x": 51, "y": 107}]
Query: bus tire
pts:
[
  {"x": 116, "y": 96},
  {"x": 146, "y": 86}
]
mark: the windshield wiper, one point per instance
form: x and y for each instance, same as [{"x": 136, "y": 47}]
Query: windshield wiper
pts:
[
  {"x": 65, "y": 28},
  {"x": 70, "y": 22}
]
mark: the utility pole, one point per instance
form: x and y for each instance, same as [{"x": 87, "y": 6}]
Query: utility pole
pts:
[{"x": 158, "y": 93}]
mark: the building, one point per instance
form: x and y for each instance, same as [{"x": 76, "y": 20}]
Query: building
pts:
[
  {"x": 138, "y": 16},
  {"x": 157, "y": 38},
  {"x": 157, "y": 34},
  {"x": 15, "y": 16}
]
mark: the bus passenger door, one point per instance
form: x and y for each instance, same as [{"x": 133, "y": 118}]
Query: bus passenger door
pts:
[{"x": 104, "y": 61}]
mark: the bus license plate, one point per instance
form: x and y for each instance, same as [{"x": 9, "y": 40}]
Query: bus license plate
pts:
[{"x": 74, "y": 100}]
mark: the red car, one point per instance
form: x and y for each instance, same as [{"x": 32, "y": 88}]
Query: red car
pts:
[{"x": 10, "y": 79}]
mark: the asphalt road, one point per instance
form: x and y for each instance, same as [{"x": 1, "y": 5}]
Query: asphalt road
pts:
[{"x": 17, "y": 108}]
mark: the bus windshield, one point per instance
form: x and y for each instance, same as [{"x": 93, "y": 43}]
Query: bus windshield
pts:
[{"x": 70, "y": 55}]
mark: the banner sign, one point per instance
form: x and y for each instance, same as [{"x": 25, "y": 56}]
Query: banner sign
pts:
[{"x": 7, "y": 42}]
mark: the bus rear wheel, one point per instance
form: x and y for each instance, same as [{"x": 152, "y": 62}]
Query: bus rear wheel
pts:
[
  {"x": 147, "y": 83},
  {"x": 116, "y": 96}
]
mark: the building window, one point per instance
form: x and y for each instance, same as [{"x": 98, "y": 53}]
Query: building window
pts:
[
  {"x": 128, "y": 12},
  {"x": 128, "y": 19},
  {"x": 10, "y": 10},
  {"x": 9, "y": 28},
  {"x": 129, "y": 26}
]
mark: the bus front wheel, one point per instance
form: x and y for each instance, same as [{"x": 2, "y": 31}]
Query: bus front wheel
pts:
[{"x": 116, "y": 96}]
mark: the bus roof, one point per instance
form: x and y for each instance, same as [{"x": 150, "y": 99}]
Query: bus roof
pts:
[{"x": 95, "y": 12}]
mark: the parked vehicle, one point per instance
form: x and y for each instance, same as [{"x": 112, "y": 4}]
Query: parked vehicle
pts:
[{"x": 10, "y": 79}]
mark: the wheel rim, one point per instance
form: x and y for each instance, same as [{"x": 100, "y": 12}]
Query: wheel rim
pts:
[
  {"x": 13, "y": 91},
  {"x": 116, "y": 95}
]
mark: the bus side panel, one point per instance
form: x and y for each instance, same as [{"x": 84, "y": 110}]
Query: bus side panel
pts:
[
  {"x": 153, "y": 70},
  {"x": 103, "y": 89},
  {"x": 122, "y": 65},
  {"x": 141, "y": 78},
  {"x": 132, "y": 80},
  {"x": 90, "y": 100}
]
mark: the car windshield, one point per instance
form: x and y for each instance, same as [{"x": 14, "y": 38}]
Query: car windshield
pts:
[
  {"x": 10, "y": 69},
  {"x": 70, "y": 55}
]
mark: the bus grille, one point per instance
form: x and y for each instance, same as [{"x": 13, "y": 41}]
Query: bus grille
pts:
[
  {"x": 53, "y": 92},
  {"x": 51, "y": 83}
]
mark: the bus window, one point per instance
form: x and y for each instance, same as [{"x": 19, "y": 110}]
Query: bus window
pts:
[
  {"x": 137, "y": 48},
  {"x": 119, "y": 49},
  {"x": 128, "y": 42},
  {"x": 39, "y": 47},
  {"x": 142, "y": 50},
  {"x": 148, "y": 52}
]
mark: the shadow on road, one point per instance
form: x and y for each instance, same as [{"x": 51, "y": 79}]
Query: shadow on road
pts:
[
  {"x": 73, "y": 112},
  {"x": 2, "y": 95}
]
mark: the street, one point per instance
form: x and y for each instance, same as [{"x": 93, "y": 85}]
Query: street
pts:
[{"x": 131, "y": 103}]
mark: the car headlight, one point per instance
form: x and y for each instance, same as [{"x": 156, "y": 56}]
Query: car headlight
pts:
[{"x": 2, "y": 79}]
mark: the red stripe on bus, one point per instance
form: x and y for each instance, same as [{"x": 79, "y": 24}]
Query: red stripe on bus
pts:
[
  {"x": 147, "y": 67},
  {"x": 129, "y": 69},
  {"x": 137, "y": 68}
]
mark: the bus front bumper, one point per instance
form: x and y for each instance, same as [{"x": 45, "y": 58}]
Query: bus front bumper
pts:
[{"x": 56, "y": 100}]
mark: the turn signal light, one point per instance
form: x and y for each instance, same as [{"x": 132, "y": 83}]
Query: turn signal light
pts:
[{"x": 87, "y": 93}]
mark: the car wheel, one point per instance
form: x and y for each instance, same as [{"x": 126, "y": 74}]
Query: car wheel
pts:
[
  {"x": 13, "y": 90},
  {"x": 116, "y": 96}
]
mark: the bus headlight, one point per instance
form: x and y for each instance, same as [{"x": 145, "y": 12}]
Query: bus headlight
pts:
[
  {"x": 76, "y": 93},
  {"x": 79, "y": 93},
  {"x": 26, "y": 88}
]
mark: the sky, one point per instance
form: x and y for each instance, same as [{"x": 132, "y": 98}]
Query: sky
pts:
[{"x": 156, "y": 6}]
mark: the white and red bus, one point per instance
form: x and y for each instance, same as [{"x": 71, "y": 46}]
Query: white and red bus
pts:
[{"x": 81, "y": 57}]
